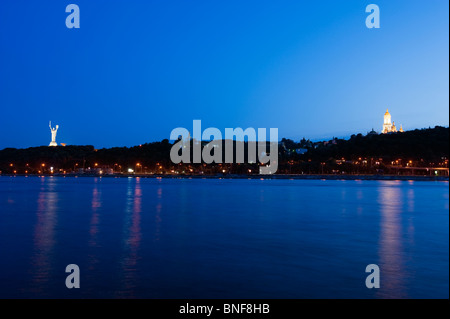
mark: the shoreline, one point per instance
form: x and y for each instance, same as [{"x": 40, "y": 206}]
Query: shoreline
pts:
[{"x": 236, "y": 176}]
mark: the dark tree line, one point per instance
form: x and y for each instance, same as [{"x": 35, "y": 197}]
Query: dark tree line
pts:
[{"x": 370, "y": 154}]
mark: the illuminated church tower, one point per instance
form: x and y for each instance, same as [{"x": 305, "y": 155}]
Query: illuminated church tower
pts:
[{"x": 389, "y": 126}]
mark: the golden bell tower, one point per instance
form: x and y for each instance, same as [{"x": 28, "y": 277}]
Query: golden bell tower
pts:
[{"x": 387, "y": 125}]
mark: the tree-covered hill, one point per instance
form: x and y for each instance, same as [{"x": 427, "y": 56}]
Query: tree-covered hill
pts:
[{"x": 369, "y": 154}]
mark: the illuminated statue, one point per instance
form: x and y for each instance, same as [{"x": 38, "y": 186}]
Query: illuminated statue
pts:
[{"x": 53, "y": 130}]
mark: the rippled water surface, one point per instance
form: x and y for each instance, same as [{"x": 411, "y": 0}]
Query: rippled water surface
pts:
[{"x": 222, "y": 238}]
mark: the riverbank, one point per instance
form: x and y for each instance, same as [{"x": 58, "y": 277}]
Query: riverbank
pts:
[{"x": 235, "y": 176}]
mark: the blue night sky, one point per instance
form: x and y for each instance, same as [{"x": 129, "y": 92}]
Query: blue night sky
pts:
[{"x": 135, "y": 70}]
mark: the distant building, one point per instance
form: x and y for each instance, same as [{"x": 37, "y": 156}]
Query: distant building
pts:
[{"x": 388, "y": 126}]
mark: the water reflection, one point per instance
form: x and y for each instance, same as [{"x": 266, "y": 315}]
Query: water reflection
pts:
[
  {"x": 132, "y": 237},
  {"x": 96, "y": 205},
  {"x": 411, "y": 207},
  {"x": 158, "y": 214},
  {"x": 254, "y": 252},
  {"x": 44, "y": 234},
  {"x": 359, "y": 194},
  {"x": 390, "y": 248},
  {"x": 410, "y": 201}
]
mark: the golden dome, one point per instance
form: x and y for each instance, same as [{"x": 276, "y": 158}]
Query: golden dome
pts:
[{"x": 387, "y": 112}]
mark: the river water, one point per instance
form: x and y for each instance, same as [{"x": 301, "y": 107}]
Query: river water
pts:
[{"x": 222, "y": 238}]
